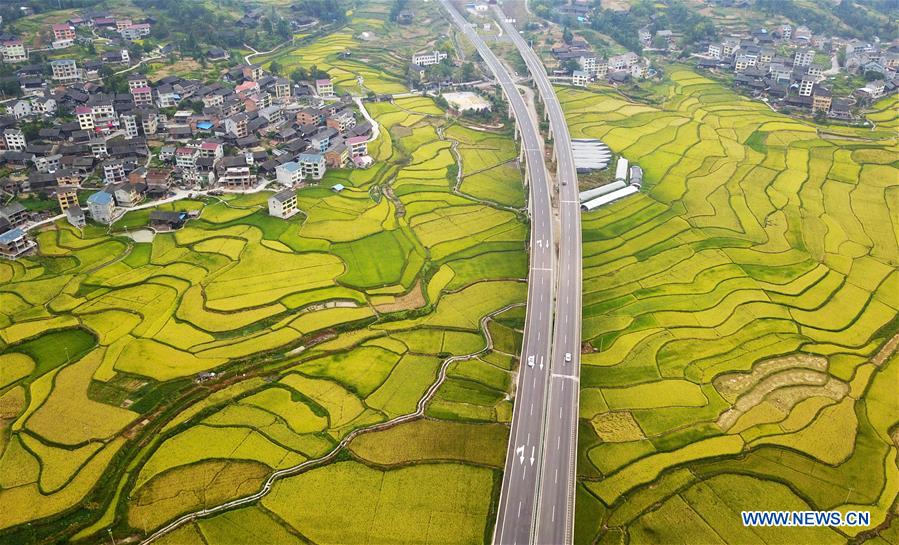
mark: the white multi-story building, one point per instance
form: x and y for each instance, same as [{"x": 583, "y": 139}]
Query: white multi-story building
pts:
[
  {"x": 284, "y": 204},
  {"x": 15, "y": 139},
  {"x": 135, "y": 32},
  {"x": 43, "y": 105},
  {"x": 136, "y": 81},
  {"x": 313, "y": 165},
  {"x": 289, "y": 174},
  {"x": 580, "y": 78},
  {"x": 803, "y": 57},
  {"x": 602, "y": 68},
  {"x": 623, "y": 62},
  {"x": 237, "y": 125},
  {"x": 715, "y": 51},
  {"x": 806, "y": 86},
  {"x": 324, "y": 88},
  {"x": 20, "y": 109},
  {"x": 101, "y": 206},
  {"x": 238, "y": 178},
  {"x": 282, "y": 88},
  {"x": 167, "y": 99},
  {"x": 46, "y": 163},
  {"x": 129, "y": 125},
  {"x": 587, "y": 64},
  {"x": 186, "y": 158},
  {"x": 113, "y": 171},
  {"x": 816, "y": 71},
  {"x": 13, "y": 51},
  {"x": 729, "y": 46},
  {"x": 65, "y": 71},
  {"x": 742, "y": 62},
  {"x": 85, "y": 117},
  {"x": 428, "y": 58},
  {"x": 786, "y": 31},
  {"x": 149, "y": 122}
]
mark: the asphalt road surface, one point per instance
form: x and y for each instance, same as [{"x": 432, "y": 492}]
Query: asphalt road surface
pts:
[
  {"x": 556, "y": 488},
  {"x": 518, "y": 497}
]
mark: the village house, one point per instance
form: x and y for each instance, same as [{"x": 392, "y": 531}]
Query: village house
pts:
[
  {"x": 14, "y": 243},
  {"x": 580, "y": 78},
  {"x": 67, "y": 198},
  {"x": 238, "y": 177},
  {"x": 13, "y": 51},
  {"x": 167, "y": 220},
  {"x": 313, "y": 165},
  {"x": 63, "y": 35},
  {"x": 101, "y": 206},
  {"x": 65, "y": 71},
  {"x": 289, "y": 174},
  {"x": 283, "y": 204},
  {"x": 15, "y": 214},
  {"x": 324, "y": 88},
  {"x": 428, "y": 58},
  {"x": 75, "y": 216}
]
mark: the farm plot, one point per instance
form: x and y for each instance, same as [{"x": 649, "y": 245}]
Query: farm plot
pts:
[
  {"x": 739, "y": 314},
  {"x": 243, "y": 343}
]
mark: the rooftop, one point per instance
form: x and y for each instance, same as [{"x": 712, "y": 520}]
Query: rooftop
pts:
[
  {"x": 285, "y": 195},
  {"x": 12, "y": 235},
  {"x": 100, "y": 197}
]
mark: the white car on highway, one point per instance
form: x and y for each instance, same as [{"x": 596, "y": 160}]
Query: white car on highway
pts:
[
  {"x": 567, "y": 356},
  {"x": 530, "y": 361}
]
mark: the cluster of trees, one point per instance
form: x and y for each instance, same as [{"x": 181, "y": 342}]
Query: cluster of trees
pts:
[
  {"x": 301, "y": 74},
  {"x": 396, "y": 8},
  {"x": 328, "y": 11},
  {"x": 192, "y": 25},
  {"x": 622, "y": 26},
  {"x": 10, "y": 10}
]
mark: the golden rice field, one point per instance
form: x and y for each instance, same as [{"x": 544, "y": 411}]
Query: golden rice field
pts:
[
  {"x": 740, "y": 319},
  {"x": 335, "y": 320}
]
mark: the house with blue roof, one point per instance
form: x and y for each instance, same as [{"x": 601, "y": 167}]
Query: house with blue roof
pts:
[
  {"x": 313, "y": 165},
  {"x": 14, "y": 243},
  {"x": 289, "y": 174},
  {"x": 101, "y": 206}
]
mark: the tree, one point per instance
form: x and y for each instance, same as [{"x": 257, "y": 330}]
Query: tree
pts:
[
  {"x": 396, "y": 8},
  {"x": 659, "y": 42},
  {"x": 31, "y": 129},
  {"x": 468, "y": 71},
  {"x": 275, "y": 68},
  {"x": 841, "y": 56},
  {"x": 10, "y": 88},
  {"x": 571, "y": 65},
  {"x": 873, "y": 75},
  {"x": 567, "y": 36},
  {"x": 298, "y": 75}
]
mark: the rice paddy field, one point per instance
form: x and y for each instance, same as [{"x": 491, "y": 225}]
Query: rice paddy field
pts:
[
  {"x": 372, "y": 48},
  {"x": 740, "y": 322},
  {"x": 338, "y": 320}
]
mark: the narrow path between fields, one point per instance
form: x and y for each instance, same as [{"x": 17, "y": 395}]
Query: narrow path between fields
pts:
[{"x": 286, "y": 472}]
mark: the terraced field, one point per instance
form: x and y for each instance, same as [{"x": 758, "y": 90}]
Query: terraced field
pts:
[
  {"x": 337, "y": 320},
  {"x": 380, "y": 57},
  {"x": 740, "y": 319}
]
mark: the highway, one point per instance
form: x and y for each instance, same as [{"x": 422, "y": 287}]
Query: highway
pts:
[
  {"x": 556, "y": 490},
  {"x": 518, "y": 497}
]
